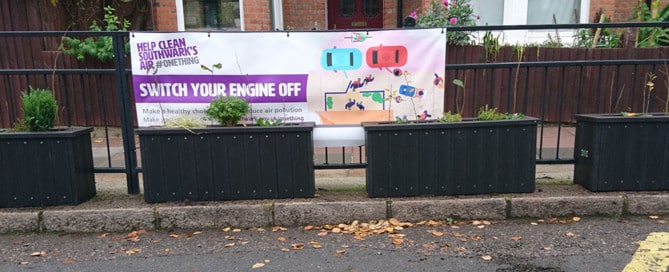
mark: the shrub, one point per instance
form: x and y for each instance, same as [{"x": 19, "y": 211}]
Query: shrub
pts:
[
  {"x": 39, "y": 110},
  {"x": 227, "y": 110}
]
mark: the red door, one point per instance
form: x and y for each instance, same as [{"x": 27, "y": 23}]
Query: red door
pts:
[{"x": 355, "y": 14}]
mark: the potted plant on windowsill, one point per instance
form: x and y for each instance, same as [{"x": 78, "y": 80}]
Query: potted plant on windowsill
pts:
[
  {"x": 625, "y": 151},
  {"x": 228, "y": 162},
  {"x": 42, "y": 165},
  {"x": 495, "y": 153}
]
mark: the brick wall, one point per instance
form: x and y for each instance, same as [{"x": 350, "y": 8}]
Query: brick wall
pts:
[
  {"x": 165, "y": 15},
  {"x": 304, "y": 15},
  {"x": 617, "y": 10},
  {"x": 257, "y": 15}
]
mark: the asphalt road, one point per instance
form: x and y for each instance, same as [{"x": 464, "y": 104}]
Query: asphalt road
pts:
[{"x": 553, "y": 244}]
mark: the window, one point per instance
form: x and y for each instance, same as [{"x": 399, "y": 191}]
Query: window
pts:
[
  {"x": 551, "y": 12},
  {"x": 211, "y": 14},
  {"x": 346, "y": 8},
  {"x": 370, "y": 8},
  {"x": 522, "y": 12}
]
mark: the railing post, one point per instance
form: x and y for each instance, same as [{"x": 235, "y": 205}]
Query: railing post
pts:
[{"x": 127, "y": 124}]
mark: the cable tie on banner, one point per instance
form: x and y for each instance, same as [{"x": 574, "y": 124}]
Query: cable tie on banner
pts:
[
  {"x": 442, "y": 30},
  {"x": 209, "y": 34},
  {"x": 132, "y": 34},
  {"x": 287, "y": 34}
]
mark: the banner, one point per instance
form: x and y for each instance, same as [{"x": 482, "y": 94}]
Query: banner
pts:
[{"x": 324, "y": 77}]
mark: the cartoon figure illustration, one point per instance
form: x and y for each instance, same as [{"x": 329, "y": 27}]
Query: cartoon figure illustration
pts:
[
  {"x": 359, "y": 83},
  {"x": 350, "y": 104},
  {"x": 424, "y": 115},
  {"x": 360, "y": 106},
  {"x": 397, "y": 72},
  {"x": 420, "y": 93},
  {"x": 358, "y": 37},
  {"x": 398, "y": 99},
  {"x": 438, "y": 81}
]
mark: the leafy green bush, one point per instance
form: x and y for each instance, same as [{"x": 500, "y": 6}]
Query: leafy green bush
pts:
[
  {"x": 450, "y": 117},
  {"x": 227, "y": 110},
  {"x": 487, "y": 113},
  {"x": 39, "y": 110},
  {"x": 651, "y": 36},
  {"x": 102, "y": 47},
  {"x": 444, "y": 14}
]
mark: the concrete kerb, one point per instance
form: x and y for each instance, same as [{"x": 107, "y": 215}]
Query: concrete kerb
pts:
[
  {"x": 291, "y": 214},
  {"x": 215, "y": 216},
  {"x": 19, "y": 222},
  {"x": 536, "y": 207},
  {"x": 97, "y": 220},
  {"x": 647, "y": 204},
  {"x": 419, "y": 210},
  {"x": 308, "y": 213}
]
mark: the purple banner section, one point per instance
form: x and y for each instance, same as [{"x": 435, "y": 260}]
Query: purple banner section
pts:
[{"x": 204, "y": 88}]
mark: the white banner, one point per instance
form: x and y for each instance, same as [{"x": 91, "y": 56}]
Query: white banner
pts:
[{"x": 324, "y": 77}]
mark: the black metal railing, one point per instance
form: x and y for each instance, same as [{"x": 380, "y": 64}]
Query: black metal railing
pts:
[{"x": 12, "y": 78}]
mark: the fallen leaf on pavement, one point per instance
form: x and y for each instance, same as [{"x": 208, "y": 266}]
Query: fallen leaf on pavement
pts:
[
  {"x": 654, "y": 217},
  {"x": 38, "y": 254},
  {"x": 576, "y": 219},
  {"x": 340, "y": 251},
  {"x": 236, "y": 230},
  {"x": 283, "y": 249},
  {"x": 310, "y": 227},
  {"x": 516, "y": 238},
  {"x": 133, "y": 251},
  {"x": 226, "y": 229},
  {"x": 229, "y": 245},
  {"x": 428, "y": 246},
  {"x": 104, "y": 235},
  {"x": 436, "y": 233},
  {"x": 174, "y": 235},
  {"x": 486, "y": 257},
  {"x": 275, "y": 229},
  {"x": 281, "y": 239},
  {"x": 394, "y": 222},
  {"x": 570, "y": 234},
  {"x": 68, "y": 261},
  {"x": 297, "y": 246},
  {"x": 257, "y": 265}
]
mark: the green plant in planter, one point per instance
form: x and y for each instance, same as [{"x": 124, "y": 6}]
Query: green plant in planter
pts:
[
  {"x": 488, "y": 114},
  {"x": 228, "y": 110},
  {"x": 267, "y": 123},
  {"x": 39, "y": 110},
  {"x": 450, "y": 117}
]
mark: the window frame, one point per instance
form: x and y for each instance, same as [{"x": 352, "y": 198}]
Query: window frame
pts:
[
  {"x": 181, "y": 24},
  {"x": 515, "y": 13}
]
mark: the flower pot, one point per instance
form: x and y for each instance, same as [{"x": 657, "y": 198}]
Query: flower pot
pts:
[
  {"x": 619, "y": 153},
  {"x": 227, "y": 163},
  {"x": 46, "y": 168},
  {"x": 468, "y": 157}
]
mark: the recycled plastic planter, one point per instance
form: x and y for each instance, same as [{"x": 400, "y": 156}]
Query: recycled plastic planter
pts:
[
  {"x": 468, "y": 157},
  {"x": 46, "y": 168},
  {"x": 227, "y": 163},
  {"x": 620, "y": 153}
]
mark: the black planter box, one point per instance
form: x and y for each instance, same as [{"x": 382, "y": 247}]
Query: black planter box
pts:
[
  {"x": 619, "y": 153},
  {"x": 227, "y": 163},
  {"x": 46, "y": 168},
  {"x": 468, "y": 157}
]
